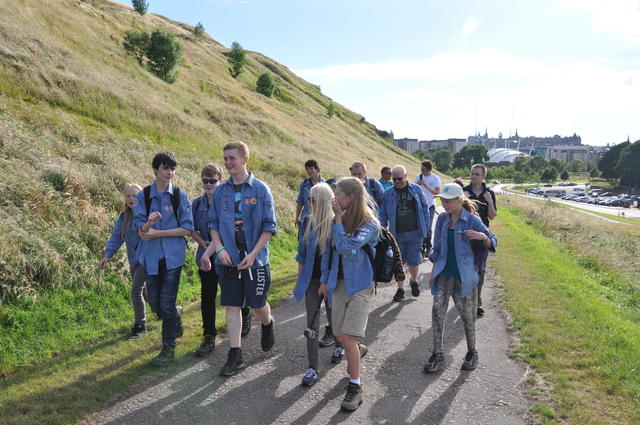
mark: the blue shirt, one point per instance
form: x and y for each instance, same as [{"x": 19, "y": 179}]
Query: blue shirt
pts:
[
  {"x": 451, "y": 266},
  {"x": 303, "y": 196},
  {"x": 358, "y": 273},
  {"x": 171, "y": 249},
  {"x": 306, "y": 258},
  {"x": 385, "y": 185},
  {"x": 131, "y": 240},
  {"x": 390, "y": 202},
  {"x": 258, "y": 216},
  {"x": 200, "y": 207},
  {"x": 463, "y": 252},
  {"x": 374, "y": 189}
]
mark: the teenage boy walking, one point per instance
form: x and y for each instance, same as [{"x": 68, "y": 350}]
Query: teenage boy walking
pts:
[
  {"x": 430, "y": 184},
  {"x": 163, "y": 218},
  {"x": 302, "y": 202},
  {"x": 373, "y": 186},
  {"x": 487, "y": 210},
  {"x": 241, "y": 222},
  {"x": 405, "y": 210}
]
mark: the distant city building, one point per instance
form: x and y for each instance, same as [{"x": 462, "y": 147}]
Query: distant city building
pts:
[
  {"x": 504, "y": 155},
  {"x": 412, "y": 145}
]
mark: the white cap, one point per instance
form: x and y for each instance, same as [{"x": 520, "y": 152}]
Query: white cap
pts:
[{"x": 451, "y": 191}]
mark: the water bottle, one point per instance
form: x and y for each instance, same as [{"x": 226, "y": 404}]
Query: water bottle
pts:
[{"x": 389, "y": 252}]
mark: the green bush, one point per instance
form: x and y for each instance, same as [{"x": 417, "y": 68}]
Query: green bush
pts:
[
  {"x": 136, "y": 43},
  {"x": 198, "y": 31},
  {"x": 265, "y": 84},
  {"x": 163, "y": 54},
  {"x": 140, "y": 6},
  {"x": 331, "y": 110},
  {"x": 237, "y": 59}
]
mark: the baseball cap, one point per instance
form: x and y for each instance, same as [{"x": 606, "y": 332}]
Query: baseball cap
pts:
[{"x": 451, "y": 191}]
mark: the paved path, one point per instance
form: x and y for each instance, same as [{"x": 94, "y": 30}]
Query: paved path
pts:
[{"x": 396, "y": 390}]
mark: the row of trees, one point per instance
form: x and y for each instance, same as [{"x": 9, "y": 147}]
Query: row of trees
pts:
[{"x": 622, "y": 162}]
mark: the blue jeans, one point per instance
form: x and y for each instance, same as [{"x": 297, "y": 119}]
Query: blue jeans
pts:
[{"x": 162, "y": 290}]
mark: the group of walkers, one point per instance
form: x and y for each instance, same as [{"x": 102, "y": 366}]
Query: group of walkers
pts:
[{"x": 341, "y": 223}]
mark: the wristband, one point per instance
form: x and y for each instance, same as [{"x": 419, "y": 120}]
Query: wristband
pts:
[{"x": 220, "y": 249}]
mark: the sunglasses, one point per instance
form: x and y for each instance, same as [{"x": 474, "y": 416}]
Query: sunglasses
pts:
[
  {"x": 210, "y": 181},
  {"x": 398, "y": 179}
]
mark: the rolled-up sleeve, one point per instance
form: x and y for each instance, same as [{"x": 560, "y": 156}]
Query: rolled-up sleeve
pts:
[
  {"x": 268, "y": 212},
  {"x": 185, "y": 214}
]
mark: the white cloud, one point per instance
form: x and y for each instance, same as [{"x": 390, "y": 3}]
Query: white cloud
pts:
[
  {"x": 470, "y": 26},
  {"x": 589, "y": 98},
  {"x": 618, "y": 17}
]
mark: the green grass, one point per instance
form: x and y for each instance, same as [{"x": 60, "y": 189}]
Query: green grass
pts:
[{"x": 577, "y": 319}]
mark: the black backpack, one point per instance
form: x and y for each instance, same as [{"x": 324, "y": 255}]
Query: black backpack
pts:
[
  {"x": 382, "y": 261},
  {"x": 175, "y": 200}
]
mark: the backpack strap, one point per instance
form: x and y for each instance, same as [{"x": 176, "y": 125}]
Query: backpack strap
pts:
[
  {"x": 372, "y": 186},
  {"x": 147, "y": 199},
  {"x": 175, "y": 202}
]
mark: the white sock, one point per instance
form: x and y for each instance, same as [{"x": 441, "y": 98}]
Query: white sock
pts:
[{"x": 355, "y": 381}]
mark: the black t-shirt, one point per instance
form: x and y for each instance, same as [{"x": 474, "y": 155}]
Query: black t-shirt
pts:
[
  {"x": 483, "y": 207},
  {"x": 340, "y": 269},
  {"x": 241, "y": 241},
  {"x": 317, "y": 261},
  {"x": 406, "y": 214}
]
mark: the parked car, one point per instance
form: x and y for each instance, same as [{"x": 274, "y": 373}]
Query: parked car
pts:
[{"x": 548, "y": 185}]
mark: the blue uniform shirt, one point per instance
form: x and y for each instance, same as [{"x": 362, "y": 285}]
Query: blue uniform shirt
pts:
[
  {"x": 131, "y": 240},
  {"x": 172, "y": 249},
  {"x": 374, "y": 189},
  {"x": 258, "y": 215},
  {"x": 387, "y": 212},
  {"x": 463, "y": 252},
  {"x": 200, "y": 207},
  {"x": 303, "y": 196},
  {"x": 306, "y": 258}
]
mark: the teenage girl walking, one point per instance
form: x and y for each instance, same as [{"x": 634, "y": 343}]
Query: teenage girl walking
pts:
[
  {"x": 454, "y": 272},
  {"x": 125, "y": 232},
  {"x": 356, "y": 225}
]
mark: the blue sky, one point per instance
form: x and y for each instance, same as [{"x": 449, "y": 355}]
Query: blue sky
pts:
[{"x": 429, "y": 70}]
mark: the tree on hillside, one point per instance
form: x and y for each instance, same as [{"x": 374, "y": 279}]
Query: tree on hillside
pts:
[
  {"x": 629, "y": 165},
  {"x": 237, "y": 59},
  {"x": 164, "y": 54},
  {"x": 441, "y": 158},
  {"x": 609, "y": 161},
  {"x": 564, "y": 176},
  {"x": 198, "y": 31},
  {"x": 331, "y": 110},
  {"x": 141, "y": 6},
  {"x": 137, "y": 43},
  {"x": 576, "y": 166},
  {"x": 469, "y": 155},
  {"x": 265, "y": 84}
]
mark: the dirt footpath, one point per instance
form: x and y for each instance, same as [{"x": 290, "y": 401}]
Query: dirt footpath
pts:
[{"x": 396, "y": 391}]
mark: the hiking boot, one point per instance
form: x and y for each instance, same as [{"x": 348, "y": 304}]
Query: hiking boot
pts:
[
  {"x": 310, "y": 378},
  {"x": 138, "y": 330},
  {"x": 268, "y": 337},
  {"x": 470, "y": 360},
  {"x": 338, "y": 355},
  {"x": 363, "y": 350},
  {"x": 206, "y": 347},
  {"x": 234, "y": 363},
  {"x": 480, "y": 311},
  {"x": 353, "y": 397},
  {"x": 166, "y": 356},
  {"x": 179, "y": 326},
  {"x": 434, "y": 363},
  {"x": 246, "y": 325},
  {"x": 399, "y": 296},
  {"x": 328, "y": 338},
  {"x": 415, "y": 290}
]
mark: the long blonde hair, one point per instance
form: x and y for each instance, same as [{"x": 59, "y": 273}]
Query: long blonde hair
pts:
[
  {"x": 126, "y": 211},
  {"x": 321, "y": 216},
  {"x": 362, "y": 209}
]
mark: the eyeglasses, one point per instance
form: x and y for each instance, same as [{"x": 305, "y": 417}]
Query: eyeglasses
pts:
[
  {"x": 210, "y": 181},
  {"x": 398, "y": 179}
]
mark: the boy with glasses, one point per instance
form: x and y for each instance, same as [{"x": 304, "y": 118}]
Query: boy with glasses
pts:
[
  {"x": 211, "y": 177},
  {"x": 405, "y": 210},
  {"x": 487, "y": 210},
  {"x": 430, "y": 184},
  {"x": 163, "y": 218}
]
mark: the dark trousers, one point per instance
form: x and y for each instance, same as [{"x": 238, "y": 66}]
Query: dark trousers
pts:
[{"x": 162, "y": 290}]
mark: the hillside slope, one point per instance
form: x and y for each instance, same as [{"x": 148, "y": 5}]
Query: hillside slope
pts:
[{"x": 79, "y": 118}]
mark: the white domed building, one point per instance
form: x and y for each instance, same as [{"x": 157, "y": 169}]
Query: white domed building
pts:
[{"x": 503, "y": 154}]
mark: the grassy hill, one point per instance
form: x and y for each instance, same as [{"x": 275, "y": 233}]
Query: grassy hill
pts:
[{"x": 79, "y": 118}]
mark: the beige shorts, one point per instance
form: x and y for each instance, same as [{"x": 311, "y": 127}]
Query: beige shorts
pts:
[{"x": 349, "y": 314}]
